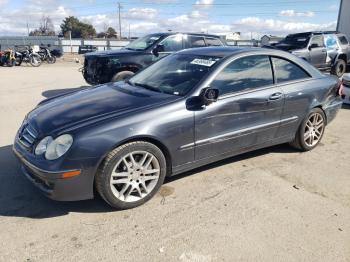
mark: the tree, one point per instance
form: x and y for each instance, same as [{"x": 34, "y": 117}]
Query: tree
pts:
[
  {"x": 78, "y": 28},
  {"x": 46, "y": 28},
  {"x": 109, "y": 32}
]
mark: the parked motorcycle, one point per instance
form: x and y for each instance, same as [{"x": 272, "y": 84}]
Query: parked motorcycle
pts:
[
  {"x": 45, "y": 55},
  {"x": 28, "y": 56}
]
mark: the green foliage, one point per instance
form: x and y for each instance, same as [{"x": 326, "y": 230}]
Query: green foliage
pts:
[
  {"x": 108, "y": 33},
  {"x": 78, "y": 28}
]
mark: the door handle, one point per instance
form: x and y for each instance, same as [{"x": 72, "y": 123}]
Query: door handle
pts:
[
  {"x": 275, "y": 96},
  {"x": 324, "y": 50}
]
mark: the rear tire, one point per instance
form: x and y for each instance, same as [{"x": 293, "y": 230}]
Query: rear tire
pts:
[
  {"x": 339, "y": 68},
  {"x": 131, "y": 174},
  {"x": 310, "y": 131},
  {"x": 121, "y": 76}
]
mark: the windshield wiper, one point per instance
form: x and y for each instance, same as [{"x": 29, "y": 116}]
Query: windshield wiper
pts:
[{"x": 153, "y": 88}]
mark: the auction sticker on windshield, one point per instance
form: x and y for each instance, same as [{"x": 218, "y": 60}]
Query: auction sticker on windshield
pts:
[{"x": 203, "y": 62}]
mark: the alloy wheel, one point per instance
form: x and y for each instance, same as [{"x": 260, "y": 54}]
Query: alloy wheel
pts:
[
  {"x": 314, "y": 129},
  {"x": 135, "y": 176}
]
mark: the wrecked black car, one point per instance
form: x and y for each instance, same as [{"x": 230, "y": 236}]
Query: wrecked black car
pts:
[{"x": 116, "y": 65}]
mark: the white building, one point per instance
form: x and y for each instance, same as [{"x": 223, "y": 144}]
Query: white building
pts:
[
  {"x": 344, "y": 18},
  {"x": 230, "y": 36}
]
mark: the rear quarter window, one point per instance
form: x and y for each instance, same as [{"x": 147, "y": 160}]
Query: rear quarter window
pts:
[{"x": 286, "y": 71}]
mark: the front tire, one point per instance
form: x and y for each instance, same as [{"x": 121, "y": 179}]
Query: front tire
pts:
[
  {"x": 131, "y": 174},
  {"x": 339, "y": 68},
  {"x": 310, "y": 131},
  {"x": 121, "y": 76},
  {"x": 35, "y": 60}
]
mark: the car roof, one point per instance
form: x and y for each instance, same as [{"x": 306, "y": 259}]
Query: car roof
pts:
[
  {"x": 222, "y": 51},
  {"x": 317, "y": 33},
  {"x": 185, "y": 33},
  {"x": 230, "y": 51}
]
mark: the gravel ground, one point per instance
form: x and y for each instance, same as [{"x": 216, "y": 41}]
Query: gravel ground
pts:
[{"x": 274, "y": 204}]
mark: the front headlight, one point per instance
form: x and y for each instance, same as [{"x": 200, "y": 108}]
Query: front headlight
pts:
[
  {"x": 42, "y": 146},
  {"x": 54, "y": 148}
]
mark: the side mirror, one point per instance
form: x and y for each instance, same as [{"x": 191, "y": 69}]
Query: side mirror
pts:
[
  {"x": 314, "y": 45},
  {"x": 157, "y": 49},
  {"x": 209, "y": 95}
]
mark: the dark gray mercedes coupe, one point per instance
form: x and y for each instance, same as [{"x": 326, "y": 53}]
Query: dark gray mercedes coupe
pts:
[{"x": 188, "y": 109}]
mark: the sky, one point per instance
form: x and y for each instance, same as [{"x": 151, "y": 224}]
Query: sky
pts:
[{"x": 250, "y": 17}]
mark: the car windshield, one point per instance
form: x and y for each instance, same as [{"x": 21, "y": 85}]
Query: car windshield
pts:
[
  {"x": 299, "y": 41},
  {"x": 175, "y": 74},
  {"x": 143, "y": 42}
]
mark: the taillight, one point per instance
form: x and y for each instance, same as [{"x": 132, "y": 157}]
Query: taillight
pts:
[{"x": 341, "y": 88}]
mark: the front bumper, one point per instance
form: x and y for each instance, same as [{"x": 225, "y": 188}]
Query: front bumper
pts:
[{"x": 53, "y": 185}]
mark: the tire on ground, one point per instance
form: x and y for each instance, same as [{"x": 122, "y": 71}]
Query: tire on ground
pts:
[
  {"x": 122, "y": 76},
  {"x": 103, "y": 175},
  {"x": 339, "y": 68},
  {"x": 299, "y": 142}
]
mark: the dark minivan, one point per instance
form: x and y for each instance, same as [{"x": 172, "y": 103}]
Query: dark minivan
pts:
[{"x": 116, "y": 65}]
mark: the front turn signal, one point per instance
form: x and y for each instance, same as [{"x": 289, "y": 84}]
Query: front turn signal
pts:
[{"x": 71, "y": 174}]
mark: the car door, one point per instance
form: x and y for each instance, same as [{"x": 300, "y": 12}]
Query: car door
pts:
[
  {"x": 248, "y": 110},
  {"x": 171, "y": 44},
  {"x": 318, "y": 51},
  {"x": 293, "y": 80}
]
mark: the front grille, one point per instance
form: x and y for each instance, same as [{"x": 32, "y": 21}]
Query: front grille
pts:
[{"x": 27, "y": 136}]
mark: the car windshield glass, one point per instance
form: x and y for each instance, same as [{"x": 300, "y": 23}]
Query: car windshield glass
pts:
[
  {"x": 143, "y": 42},
  {"x": 175, "y": 74},
  {"x": 299, "y": 41}
]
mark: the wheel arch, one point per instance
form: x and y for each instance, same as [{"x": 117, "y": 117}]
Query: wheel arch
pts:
[
  {"x": 324, "y": 112},
  {"x": 343, "y": 57},
  {"x": 143, "y": 138}
]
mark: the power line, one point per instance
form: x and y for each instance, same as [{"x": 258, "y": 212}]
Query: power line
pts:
[{"x": 120, "y": 24}]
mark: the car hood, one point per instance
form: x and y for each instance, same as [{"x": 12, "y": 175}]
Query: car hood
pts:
[
  {"x": 119, "y": 52},
  {"x": 81, "y": 108}
]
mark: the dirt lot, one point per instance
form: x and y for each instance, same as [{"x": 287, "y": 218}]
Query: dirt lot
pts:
[{"x": 274, "y": 204}]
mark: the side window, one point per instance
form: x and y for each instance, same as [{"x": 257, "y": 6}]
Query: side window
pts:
[
  {"x": 343, "y": 40},
  {"x": 213, "y": 41},
  {"x": 287, "y": 71},
  {"x": 194, "y": 41},
  {"x": 331, "y": 41},
  {"x": 317, "y": 40},
  {"x": 244, "y": 74},
  {"x": 172, "y": 43}
]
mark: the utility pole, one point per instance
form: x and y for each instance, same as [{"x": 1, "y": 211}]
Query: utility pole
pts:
[{"x": 120, "y": 25}]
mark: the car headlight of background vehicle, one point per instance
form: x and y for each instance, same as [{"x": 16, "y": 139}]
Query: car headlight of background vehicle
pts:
[{"x": 54, "y": 148}]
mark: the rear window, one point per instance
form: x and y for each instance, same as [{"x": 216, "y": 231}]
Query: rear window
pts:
[
  {"x": 213, "y": 41},
  {"x": 343, "y": 40},
  {"x": 286, "y": 71}
]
